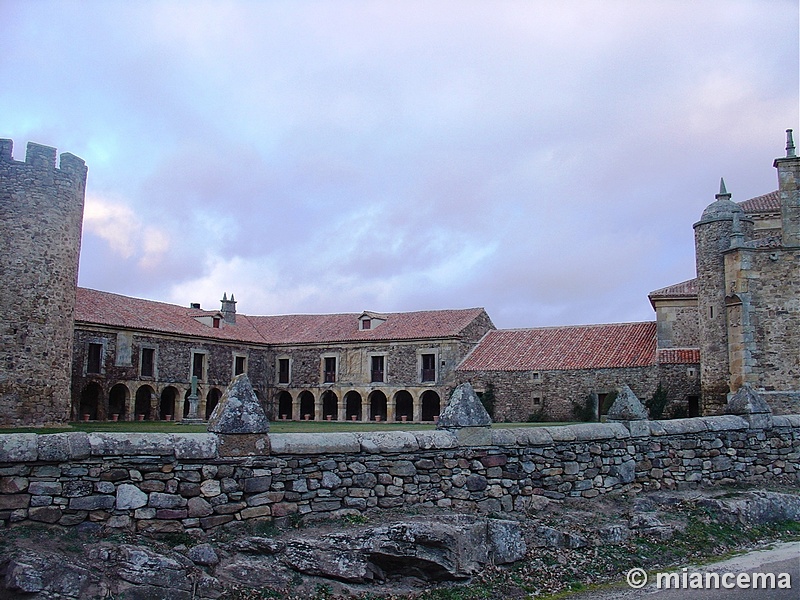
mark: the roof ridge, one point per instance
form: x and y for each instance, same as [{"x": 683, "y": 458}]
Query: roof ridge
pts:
[{"x": 618, "y": 324}]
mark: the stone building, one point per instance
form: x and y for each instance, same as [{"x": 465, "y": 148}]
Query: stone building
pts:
[
  {"x": 40, "y": 236},
  {"x": 549, "y": 373},
  {"x": 742, "y": 311},
  {"x": 136, "y": 358}
]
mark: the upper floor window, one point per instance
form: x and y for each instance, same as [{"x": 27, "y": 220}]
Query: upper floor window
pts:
[
  {"x": 428, "y": 367},
  {"x": 239, "y": 365},
  {"x": 94, "y": 358},
  {"x": 147, "y": 364},
  {"x": 283, "y": 370},
  {"x": 330, "y": 369},
  {"x": 198, "y": 365},
  {"x": 377, "y": 370},
  {"x": 366, "y": 323}
]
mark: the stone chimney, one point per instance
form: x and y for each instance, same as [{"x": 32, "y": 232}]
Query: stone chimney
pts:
[{"x": 228, "y": 309}]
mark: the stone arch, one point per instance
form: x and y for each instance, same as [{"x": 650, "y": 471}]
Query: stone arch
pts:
[
  {"x": 330, "y": 405},
  {"x": 91, "y": 397},
  {"x": 306, "y": 405},
  {"x": 404, "y": 406},
  {"x": 143, "y": 401},
  {"x": 212, "y": 399},
  {"x": 352, "y": 405},
  {"x": 118, "y": 400},
  {"x": 167, "y": 407},
  {"x": 377, "y": 405},
  {"x": 285, "y": 405},
  {"x": 431, "y": 405}
]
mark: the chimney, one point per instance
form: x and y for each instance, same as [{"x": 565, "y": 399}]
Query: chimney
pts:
[{"x": 228, "y": 309}]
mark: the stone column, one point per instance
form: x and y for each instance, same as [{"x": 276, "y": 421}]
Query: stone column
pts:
[
  {"x": 296, "y": 416},
  {"x": 391, "y": 408},
  {"x": 365, "y": 409}
]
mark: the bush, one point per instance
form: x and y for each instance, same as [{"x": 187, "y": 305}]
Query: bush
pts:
[
  {"x": 657, "y": 403},
  {"x": 585, "y": 411}
]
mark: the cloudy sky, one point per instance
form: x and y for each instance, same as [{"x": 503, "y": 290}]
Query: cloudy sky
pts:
[{"x": 543, "y": 159}]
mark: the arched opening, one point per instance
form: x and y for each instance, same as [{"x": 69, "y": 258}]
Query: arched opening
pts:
[
  {"x": 404, "y": 406},
  {"x": 118, "y": 402},
  {"x": 330, "y": 406},
  {"x": 212, "y": 399},
  {"x": 142, "y": 404},
  {"x": 167, "y": 407},
  {"x": 430, "y": 405},
  {"x": 90, "y": 402},
  {"x": 307, "y": 405},
  {"x": 352, "y": 406},
  {"x": 284, "y": 405},
  {"x": 377, "y": 406}
]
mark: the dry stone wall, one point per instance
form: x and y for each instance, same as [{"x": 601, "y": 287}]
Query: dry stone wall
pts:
[{"x": 182, "y": 482}]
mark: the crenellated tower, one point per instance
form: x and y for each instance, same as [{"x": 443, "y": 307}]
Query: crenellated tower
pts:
[{"x": 41, "y": 206}]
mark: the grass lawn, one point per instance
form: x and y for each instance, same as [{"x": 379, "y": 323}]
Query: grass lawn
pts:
[{"x": 275, "y": 427}]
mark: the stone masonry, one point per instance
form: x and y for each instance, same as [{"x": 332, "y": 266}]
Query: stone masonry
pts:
[{"x": 40, "y": 238}]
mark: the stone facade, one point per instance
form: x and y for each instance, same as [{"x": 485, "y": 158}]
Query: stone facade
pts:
[
  {"x": 162, "y": 483},
  {"x": 40, "y": 236}
]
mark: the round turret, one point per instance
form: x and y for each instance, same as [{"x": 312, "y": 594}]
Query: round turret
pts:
[{"x": 722, "y": 207}]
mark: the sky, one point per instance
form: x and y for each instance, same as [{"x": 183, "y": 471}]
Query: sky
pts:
[{"x": 545, "y": 160}]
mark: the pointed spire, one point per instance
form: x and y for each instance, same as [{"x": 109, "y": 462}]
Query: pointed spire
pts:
[
  {"x": 232, "y": 298},
  {"x": 723, "y": 192},
  {"x": 224, "y": 296},
  {"x": 789, "y": 144}
]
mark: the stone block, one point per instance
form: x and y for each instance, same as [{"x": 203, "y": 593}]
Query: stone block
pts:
[
  {"x": 131, "y": 444},
  {"x": 436, "y": 440},
  {"x": 239, "y": 410},
  {"x": 92, "y": 503},
  {"x": 683, "y": 426},
  {"x": 311, "y": 443},
  {"x": 243, "y": 444},
  {"x": 195, "y": 446},
  {"x": 62, "y": 447},
  {"x": 130, "y": 497},
  {"x": 726, "y": 423},
  {"x": 383, "y": 442},
  {"x": 627, "y": 407},
  {"x": 464, "y": 410},
  {"x": 473, "y": 436},
  {"x": 19, "y": 447}
]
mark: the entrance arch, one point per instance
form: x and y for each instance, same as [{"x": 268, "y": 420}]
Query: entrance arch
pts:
[
  {"x": 212, "y": 399},
  {"x": 90, "y": 402},
  {"x": 352, "y": 405},
  {"x": 284, "y": 405},
  {"x": 377, "y": 406},
  {"x": 142, "y": 404},
  {"x": 330, "y": 405},
  {"x": 167, "y": 406},
  {"x": 118, "y": 398},
  {"x": 404, "y": 406},
  {"x": 431, "y": 404},
  {"x": 307, "y": 405}
]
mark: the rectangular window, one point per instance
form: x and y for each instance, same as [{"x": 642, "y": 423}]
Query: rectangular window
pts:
[
  {"x": 366, "y": 324},
  {"x": 377, "y": 369},
  {"x": 198, "y": 365},
  {"x": 330, "y": 369},
  {"x": 94, "y": 358},
  {"x": 147, "y": 365},
  {"x": 283, "y": 370},
  {"x": 239, "y": 365},
  {"x": 428, "y": 367}
]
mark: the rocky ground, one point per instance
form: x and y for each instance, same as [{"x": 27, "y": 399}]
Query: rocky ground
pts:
[{"x": 556, "y": 547}]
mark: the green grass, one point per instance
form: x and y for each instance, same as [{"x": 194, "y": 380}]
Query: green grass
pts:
[{"x": 275, "y": 427}]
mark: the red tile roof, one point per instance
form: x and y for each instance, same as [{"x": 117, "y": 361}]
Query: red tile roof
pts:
[
  {"x": 304, "y": 329},
  {"x": 767, "y": 203},
  {"x": 685, "y": 289},
  {"x": 104, "y": 308},
  {"x": 562, "y": 348},
  {"x": 678, "y": 356}
]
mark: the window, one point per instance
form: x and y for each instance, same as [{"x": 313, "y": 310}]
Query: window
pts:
[
  {"x": 330, "y": 369},
  {"x": 94, "y": 357},
  {"x": 537, "y": 400},
  {"x": 366, "y": 324},
  {"x": 198, "y": 365},
  {"x": 239, "y": 365},
  {"x": 283, "y": 370},
  {"x": 215, "y": 322},
  {"x": 377, "y": 370},
  {"x": 428, "y": 367},
  {"x": 536, "y": 376},
  {"x": 147, "y": 364}
]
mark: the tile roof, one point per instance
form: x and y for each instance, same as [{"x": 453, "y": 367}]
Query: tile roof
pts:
[
  {"x": 767, "y": 203},
  {"x": 685, "y": 289},
  {"x": 104, "y": 308},
  {"x": 678, "y": 356},
  {"x": 300, "y": 329},
  {"x": 562, "y": 348}
]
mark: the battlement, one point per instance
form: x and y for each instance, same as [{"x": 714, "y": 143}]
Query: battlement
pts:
[{"x": 41, "y": 157}]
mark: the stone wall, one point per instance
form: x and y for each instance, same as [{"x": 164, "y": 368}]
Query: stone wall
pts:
[
  {"x": 183, "y": 482},
  {"x": 516, "y": 392},
  {"x": 40, "y": 236}
]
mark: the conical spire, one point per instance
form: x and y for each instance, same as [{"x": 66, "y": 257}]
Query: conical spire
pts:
[
  {"x": 789, "y": 144},
  {"x": 723, "y": 192}
]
